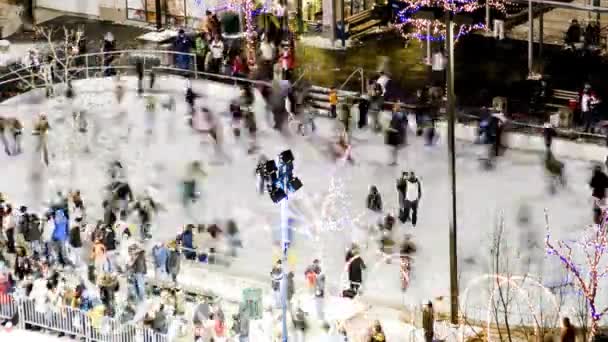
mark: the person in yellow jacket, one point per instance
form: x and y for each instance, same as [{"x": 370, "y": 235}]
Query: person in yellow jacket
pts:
[{"x": 333, "y": 101}]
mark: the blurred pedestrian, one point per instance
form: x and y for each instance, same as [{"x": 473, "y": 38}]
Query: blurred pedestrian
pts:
[{"x": 568, "y": 332}]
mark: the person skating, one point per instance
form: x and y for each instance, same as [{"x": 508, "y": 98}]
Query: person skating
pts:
[
  {"x": 405, "y": 255},
  {"x": 3, "y": 133},
  {"x": 145, "y": 208},
  {"x": 260, "y": 174},
  {"x": 341, "y": 150},
  {"x": 237, "y": 119},
  {"x": 386, "y": 241},
  {"x": 150, "y": 118},
  {"x": 549, "y": 133},
  {"x": 121, "y": 196},
  {"x": 41, "y": 129},
  {"x": 190, "y": 98},
  {"x": 598, "y": 184},
  {"x": 276, "y": 274},
  {"x": 119, "y": 90},
  {"x": 410, "y": 192},
  {"x": 364, "y": 105},
  {"x": 191, "y": 183},
  {"x": 395, "y": 136},
  {"x": 555, "y": 171},
  {"x": 374, "y": 200},
  {"x": 251, "y": 126},
  {"x": 355, "y": 266},
  {"x": 206, "y": 122},
  {"x": 109, "y": 46}
]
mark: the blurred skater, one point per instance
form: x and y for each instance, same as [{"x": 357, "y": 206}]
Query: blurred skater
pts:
[{"x": 41, "y": 129}]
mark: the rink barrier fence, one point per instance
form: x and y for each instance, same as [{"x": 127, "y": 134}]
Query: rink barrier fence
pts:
[
  {"x": 69, "y": 321},
  {"x": 532, "y": 140}
]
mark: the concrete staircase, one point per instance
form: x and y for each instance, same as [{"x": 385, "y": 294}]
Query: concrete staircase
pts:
[
  {"x": 319, "y": 98},
  {"x": 556, "y": 22},
  {"x": 10, "y": 19}
]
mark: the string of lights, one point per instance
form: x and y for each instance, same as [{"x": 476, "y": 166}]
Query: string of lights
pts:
[
  {"x": 405, "y": 18},
  {"x": 593, "y": 246},
  {"x": 335, "y": 212}
]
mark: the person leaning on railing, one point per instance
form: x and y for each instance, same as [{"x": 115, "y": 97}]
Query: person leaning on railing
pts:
[{"x": 201, "y": 49}]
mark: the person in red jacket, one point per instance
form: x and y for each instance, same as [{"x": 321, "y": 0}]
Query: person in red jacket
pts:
[
  {"x": 287, "y": 62},
  {"x": 239, "y": 68}
]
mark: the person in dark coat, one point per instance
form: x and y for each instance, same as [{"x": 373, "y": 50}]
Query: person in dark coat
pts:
[
  {"x": 187, "y": 241},
  {"x": 139, "y": 70},
  {"x": 356, "y": 265},
  {"x": 374, "y": 200},
  {"x": 598, "y": 183},
  {"x": 109, "y": 45},
  {"x": 159, "y": 324},
  {"x": 9, "y": 231},
  {"x": 33, "y": 234},
  {"x": 182, "y": 44},
  {"x": 23, "y": 265},
  {"x": 363, "y": 104},
  {"x": 568, "y": 332},
  {"x": 548, "y": 134},
  {"x": 395, "y": 135},
  {"x": 173, "y": 261},
  {"x": 108, "y": 286}
]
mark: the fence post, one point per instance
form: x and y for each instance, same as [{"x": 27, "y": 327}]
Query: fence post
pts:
[
  {"x": 87, "y": 327},
  {"x": 21, "y": 313},
  {"x": 195, "y": 66},
  {"x": 86, "y": 65}
]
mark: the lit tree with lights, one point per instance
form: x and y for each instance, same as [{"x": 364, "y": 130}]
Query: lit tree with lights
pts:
[
  {"x": 588, "y": 274},
  {"x": 407, "y": 17},
  {"x": 335, "y": 209}
]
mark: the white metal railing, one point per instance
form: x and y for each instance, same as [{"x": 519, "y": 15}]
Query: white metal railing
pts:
[
  {"x": 163, "y": 53},
  {"x": 74, "y": 322},
  {"x": 152, "y": 54}
]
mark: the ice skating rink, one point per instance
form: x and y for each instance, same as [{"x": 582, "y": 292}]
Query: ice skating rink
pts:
[{"x": 484, "y": 197}]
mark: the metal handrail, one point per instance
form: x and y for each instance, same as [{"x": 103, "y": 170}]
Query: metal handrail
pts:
[
  {"x": 300, "y": 77},
  {"x": 233, "y": 78},
  {"x": 238, "y": 79},
  {"x": 102, "y": 53},
  {"x": 358, "y": 70}
]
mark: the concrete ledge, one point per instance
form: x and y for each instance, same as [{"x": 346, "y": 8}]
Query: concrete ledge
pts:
[{"x": 535, "y": 143}]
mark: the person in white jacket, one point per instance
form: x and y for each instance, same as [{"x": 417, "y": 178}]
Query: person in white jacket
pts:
[
  {"x": 39, "y": 295},
  {"x": 410, "y": 192},
  {"x": 217, "y": 54}
]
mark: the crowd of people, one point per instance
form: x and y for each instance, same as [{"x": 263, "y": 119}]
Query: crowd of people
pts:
[{"x": 41, "y": 251}]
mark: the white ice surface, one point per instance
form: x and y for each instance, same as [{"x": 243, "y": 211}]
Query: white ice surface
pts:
[
  {"x": 17, "y": 335},
  {"x": 229, "y": 192}
]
